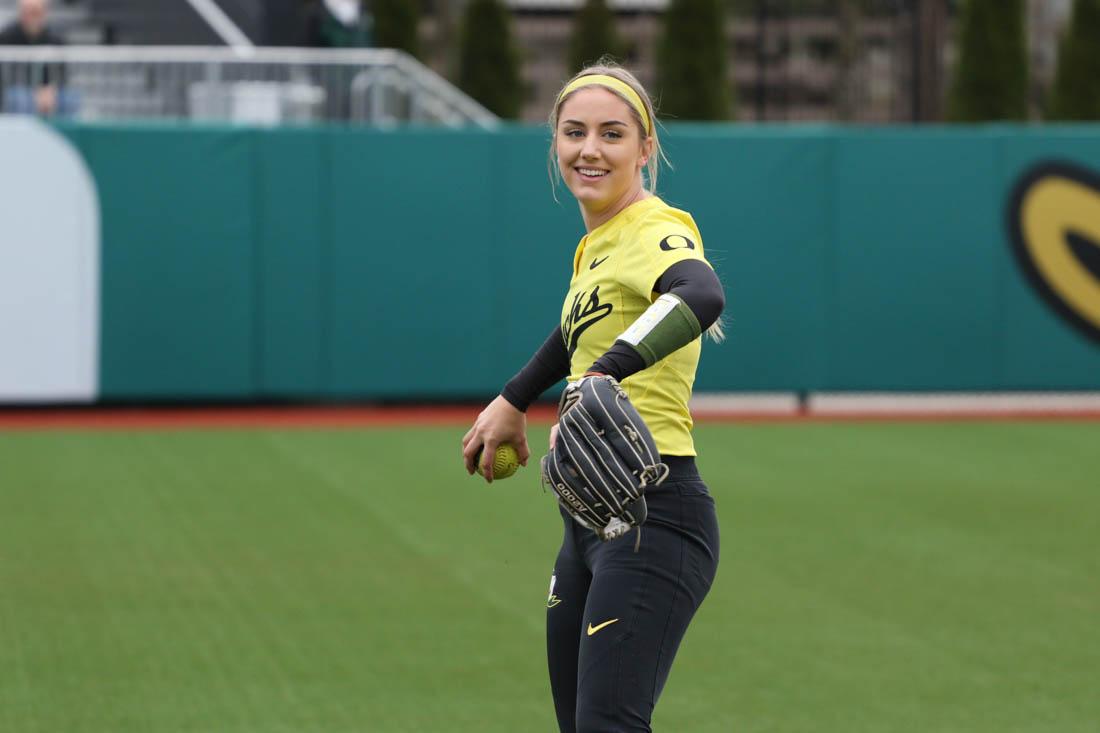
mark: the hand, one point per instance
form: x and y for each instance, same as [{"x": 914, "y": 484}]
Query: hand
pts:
[
  {"x": 498, "y": 423},
  {"x": 553, "y": 435}
]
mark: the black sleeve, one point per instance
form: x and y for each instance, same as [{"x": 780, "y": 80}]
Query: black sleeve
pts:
[
  {"x": 547, "y": 367},
  {"x": 692, "y": 281}
]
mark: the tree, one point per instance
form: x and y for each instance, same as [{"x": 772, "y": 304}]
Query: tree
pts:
[
  {"x": 593, "y": 36},
  {"x": 846, "y": 87},
  {"x": 395, "y": 24},
  {"x": 488, "y": 64},
  {"x": 991, "y": 74},
  {"x": 1075, "y": 94},
  {"x": 691, "y": 62}
]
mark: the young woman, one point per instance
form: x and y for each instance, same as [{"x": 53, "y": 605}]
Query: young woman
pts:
[{"x": 640, "y": 297}]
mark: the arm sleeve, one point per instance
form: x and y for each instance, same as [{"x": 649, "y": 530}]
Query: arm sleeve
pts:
[
  {"x": 694, "y": 283},
  {"x": 547, "y": 367}
]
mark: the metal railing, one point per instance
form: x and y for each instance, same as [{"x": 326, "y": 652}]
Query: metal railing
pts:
[{"x": 254, "y": 86}]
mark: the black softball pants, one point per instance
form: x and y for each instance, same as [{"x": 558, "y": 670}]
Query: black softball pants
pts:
[{"x": 616, "y": 615}]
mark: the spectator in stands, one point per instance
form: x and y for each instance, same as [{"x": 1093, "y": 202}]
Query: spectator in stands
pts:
[
  {"x": 338, "y": 24},
  {"x": 40, "y": 90}
]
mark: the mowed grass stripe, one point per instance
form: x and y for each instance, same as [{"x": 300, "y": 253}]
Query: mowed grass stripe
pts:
[
  {"x": 909, "y": 577},
  {"x": 207, "y": 574},
  {"x": 875, "y": 577}
]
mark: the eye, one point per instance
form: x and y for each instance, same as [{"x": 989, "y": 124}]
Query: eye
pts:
[
  {"x": 612, "y": 134},
  {"x": 573, "y": 132}
]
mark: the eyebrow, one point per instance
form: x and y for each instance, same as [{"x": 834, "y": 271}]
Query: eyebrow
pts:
[{"x": 602, "y": 124}]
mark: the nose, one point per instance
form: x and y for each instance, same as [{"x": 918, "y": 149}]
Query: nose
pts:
[{"x": 591, "y": 148}]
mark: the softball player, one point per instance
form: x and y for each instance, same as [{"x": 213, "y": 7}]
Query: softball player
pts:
[{"x": 640, "y": 296}]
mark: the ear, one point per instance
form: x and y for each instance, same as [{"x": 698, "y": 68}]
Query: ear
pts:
[{"x": 647, "y": 151}]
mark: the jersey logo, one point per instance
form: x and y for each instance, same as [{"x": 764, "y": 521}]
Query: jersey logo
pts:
[
  {"x": 597, "y": 263},
  {"x": 1054, "y": 217},
  {"x": 593, "y": 629},
  {"x": 552, "y": 600},
  {"x": 676, "y": 241},
  {"x": 582, "y": 317}
]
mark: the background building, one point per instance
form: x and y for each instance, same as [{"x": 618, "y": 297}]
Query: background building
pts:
[
  {"x": 874, "y": 61},
  {"x": 1046, "y": 21},
  {"x": 829, "y": 61}
]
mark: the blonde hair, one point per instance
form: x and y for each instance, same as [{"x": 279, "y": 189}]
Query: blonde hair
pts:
[
  {"x": 607, "y": 67},
  {"x": 716, "y": 332}
]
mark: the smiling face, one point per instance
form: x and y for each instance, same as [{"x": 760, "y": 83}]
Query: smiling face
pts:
[{"x": 601, "y": 151}]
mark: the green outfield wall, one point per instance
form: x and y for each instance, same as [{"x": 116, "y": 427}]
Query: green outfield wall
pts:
[{"x": 338, "y": 263}]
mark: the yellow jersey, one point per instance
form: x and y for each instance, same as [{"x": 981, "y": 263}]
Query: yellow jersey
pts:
[{"x": 614, "y": 270}]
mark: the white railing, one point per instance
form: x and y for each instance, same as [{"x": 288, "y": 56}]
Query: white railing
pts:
[{"x": 246, "y": 85}]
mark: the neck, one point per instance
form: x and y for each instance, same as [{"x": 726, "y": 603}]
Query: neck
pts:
[{"x": 593, "y": 219}]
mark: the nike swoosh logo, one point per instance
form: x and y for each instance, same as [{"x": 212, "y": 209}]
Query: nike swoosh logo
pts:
[
  {"x": 593, "y": 629},
  {"x": 597, "y": 263}
]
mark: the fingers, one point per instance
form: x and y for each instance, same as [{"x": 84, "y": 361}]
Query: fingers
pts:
[
  {"x": 498, "y": 423},
  {"x": 476, "y": 449},
  {"x": 553, "y": 435},
  {"x": 488, "y": 453},
  {"x": 471, "y": 451},
  {"x": 466, "y": 455}
]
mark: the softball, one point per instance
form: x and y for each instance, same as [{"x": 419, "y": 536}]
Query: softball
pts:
[{"x": 505, "y": 461}]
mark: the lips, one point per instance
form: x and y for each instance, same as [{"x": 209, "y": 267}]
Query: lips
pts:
[{"x": 591, "y": 173}]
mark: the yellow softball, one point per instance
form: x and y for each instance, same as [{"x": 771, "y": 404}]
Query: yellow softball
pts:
[{"x": 505, "y": 461}]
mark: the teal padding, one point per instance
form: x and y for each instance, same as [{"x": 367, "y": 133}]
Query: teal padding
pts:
[
  {"x": 178, "y": 262},
  {"x": 340, "y": 262},
  {"x": 1035, "y": 346}
]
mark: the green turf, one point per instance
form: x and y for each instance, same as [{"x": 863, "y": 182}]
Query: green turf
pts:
[{"x": 874, "y": 577}]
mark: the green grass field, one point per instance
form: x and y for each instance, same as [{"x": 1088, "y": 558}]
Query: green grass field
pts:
[{"x": 875, "y": 577}]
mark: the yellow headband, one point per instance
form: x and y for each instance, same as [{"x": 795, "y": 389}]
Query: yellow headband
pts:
[{"x": 609, "y": 81}]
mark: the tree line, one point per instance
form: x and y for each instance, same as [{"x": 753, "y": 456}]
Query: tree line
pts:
[{"x": 989, "y": 81}]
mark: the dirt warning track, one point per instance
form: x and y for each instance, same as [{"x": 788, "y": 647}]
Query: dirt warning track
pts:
[
  {"x": 250, "y": 416},
  {"x": 267, "y": 416}
]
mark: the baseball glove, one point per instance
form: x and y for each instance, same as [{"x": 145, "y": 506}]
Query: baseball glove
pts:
[{"x": 603, "y": 459}]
